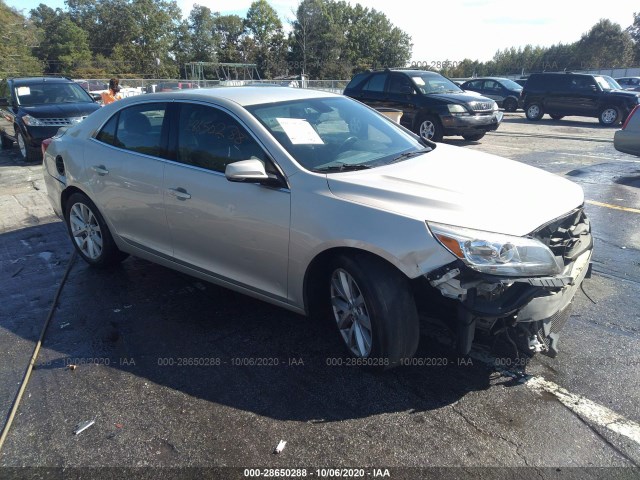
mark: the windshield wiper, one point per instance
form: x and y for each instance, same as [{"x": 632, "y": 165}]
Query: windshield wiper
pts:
[
  {"x": 343, "y": 167},
  {"x": 404, "y": 156}
]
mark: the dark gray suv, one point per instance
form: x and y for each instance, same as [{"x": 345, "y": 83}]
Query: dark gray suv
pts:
[
  {"x": 579, "y": 94},
  {"x": 432, "y": 105}
]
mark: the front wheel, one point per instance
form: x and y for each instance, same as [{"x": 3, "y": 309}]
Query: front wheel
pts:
[
  {"x": 26, "y": 153},
  {"x": 609, "y": 116},
  {"x": 429, "y": 128},
  {"x": 90, "y": 234},
  {"x": 510, "y": 105},
  {"x": 534, "y": 111},
  {"x": 474, "y": 137},
  {"x": 374, "y": 310}
]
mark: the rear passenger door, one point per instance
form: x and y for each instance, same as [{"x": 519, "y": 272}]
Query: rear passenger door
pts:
[
  {"x": 236, "y": 232},
  {"x": 125, "y": 166}
]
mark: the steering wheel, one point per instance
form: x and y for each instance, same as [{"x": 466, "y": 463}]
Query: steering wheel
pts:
[{"x": 347, "y": 141}]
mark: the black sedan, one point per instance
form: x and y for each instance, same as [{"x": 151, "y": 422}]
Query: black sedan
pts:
[{"x": 505, "y": 92}]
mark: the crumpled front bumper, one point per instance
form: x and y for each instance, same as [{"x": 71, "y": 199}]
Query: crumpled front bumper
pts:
[{"x": 538, "y": 306}]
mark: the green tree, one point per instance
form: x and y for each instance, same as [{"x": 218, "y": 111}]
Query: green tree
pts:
[
  {"x": 605, "y": 45},
  {"x": 63, "y": 45},
  {"x": 265, "y": 29},
  {"x": 19, "y": 37},
  {"x": 229, "y": 32},
  {"x": 634, "y": 31},
  {"x": 204, "y": 38}
]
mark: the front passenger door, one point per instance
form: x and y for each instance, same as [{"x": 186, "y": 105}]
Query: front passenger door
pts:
[{"x": 236, "y": 232}]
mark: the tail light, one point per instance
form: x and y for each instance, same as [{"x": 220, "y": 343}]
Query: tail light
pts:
[
  {"x": 624, "y": 125},
  {"x": 45, "y": 144}
]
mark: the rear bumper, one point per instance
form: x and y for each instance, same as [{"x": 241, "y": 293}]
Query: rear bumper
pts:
[{"x": 462, "y": 125}]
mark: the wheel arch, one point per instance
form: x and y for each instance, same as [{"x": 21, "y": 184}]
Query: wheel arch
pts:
[{"x": 320, "y": 266}]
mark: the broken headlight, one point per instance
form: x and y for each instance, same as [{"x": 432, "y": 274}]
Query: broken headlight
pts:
[{"x": 495, "y": 253}]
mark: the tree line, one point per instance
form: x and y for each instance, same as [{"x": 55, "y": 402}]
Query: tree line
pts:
[
  {"x": 327, "y": 39},
  {"x": 149, "y": 38}
]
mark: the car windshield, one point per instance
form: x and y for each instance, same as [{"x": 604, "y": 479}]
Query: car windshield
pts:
[
  {"x": 336, "y": 134},
  {"x": 430, "y": 83},
  {"x": 607, "y": 83},
  {"x": 511, "y": 85},
  {"x": 51, "y": 93}
]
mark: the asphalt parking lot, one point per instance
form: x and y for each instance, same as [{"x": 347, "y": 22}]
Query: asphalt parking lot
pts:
[{"x": 179, "y": 373}]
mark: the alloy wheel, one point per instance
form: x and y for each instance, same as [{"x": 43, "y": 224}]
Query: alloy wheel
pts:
[
  {"x": 427, "y": 129},
  {"x": 86, "y": 231},
  {"x": 351, "y": 313}
]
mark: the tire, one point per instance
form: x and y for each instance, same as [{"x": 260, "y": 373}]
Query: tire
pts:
[
  {"x": 430, "y": 128},
  {"x": 557, "y": 117},
  {"x": 6, "y": 141},
  {"x": 510, "y": 105},
  {"x": 473, "y": 138},
  {"x": 373, "y": 310},
  {"x": 610, "y": 116},
  {"x": 96, "y": 247},
  {"x": 27, "y": 153},
  {"x": 534, "y": 111}
]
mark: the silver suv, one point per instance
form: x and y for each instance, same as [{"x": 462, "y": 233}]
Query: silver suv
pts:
[{"x": 319, "y": 204}]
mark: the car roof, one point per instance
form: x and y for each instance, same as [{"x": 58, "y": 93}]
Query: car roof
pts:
[
  {"x": 487, "y": 78},
  {"x": 415, "y": 72},
  {"x": 245, "y": 96},
  {"x": 38, "y": 80}
]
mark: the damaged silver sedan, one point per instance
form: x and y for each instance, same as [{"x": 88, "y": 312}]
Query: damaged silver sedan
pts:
[{"x": 319, "y": 204}]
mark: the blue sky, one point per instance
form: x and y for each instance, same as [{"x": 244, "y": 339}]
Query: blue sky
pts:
[{"x": 455, "y": 29}]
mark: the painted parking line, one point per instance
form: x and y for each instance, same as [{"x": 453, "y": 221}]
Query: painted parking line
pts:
[
  {"x": 614, "y": 207},
  {"x": 588, "y": 410}
]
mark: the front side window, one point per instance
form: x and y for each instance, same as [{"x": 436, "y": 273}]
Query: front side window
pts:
[
  {"x": 335, "y": 133},
  {"x": 137, "y": 128},
  {"x": 210, "y": 138},
  {"x": 400, "y": 84}
]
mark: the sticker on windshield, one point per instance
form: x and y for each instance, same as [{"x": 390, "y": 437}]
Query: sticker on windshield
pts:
[
  {"x": 419, "y": 81},
  {"x": 24, "y": 91},
  {"x": 299, "y": 131}
]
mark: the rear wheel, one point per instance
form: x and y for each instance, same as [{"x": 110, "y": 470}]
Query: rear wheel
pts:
[
  {"x": 534, "y": 111},
  {"x": 90, "y": 234},
  {"x": 429, "y": 128},
  {"x": 474, "y": 138},
  {"x": 510, "y": 105},
  {"x": 609, "y": 116},
  {"x": 557, "y": 117},
  {"x": 373, "y": 309}
]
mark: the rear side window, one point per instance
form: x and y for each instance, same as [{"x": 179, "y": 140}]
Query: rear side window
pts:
[
  {"x": 475, "y": 84},
  {"x": 356, "y": 80},
  {"x": 108, "y": 132},
  {"x": 140, "y": 128},
  {"x": 137, "y": 128},
  {"x": 210, "y": 138},
  {"x": 548, "y": 82},
  {"x": 375, "y": 83}
]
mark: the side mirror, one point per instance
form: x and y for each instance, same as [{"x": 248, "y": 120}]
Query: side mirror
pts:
[
  {"x": 4, "y": 102},
  {"x": 594, "y": 88},
  {"x": 251, "y": 171}
]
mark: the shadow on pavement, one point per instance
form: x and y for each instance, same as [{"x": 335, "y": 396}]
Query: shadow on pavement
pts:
[{"x": 208, "y": 342}]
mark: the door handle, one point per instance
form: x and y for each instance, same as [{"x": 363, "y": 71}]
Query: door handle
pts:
[
  {"x": 100, "y": 169},
  {"x": 179, "y": 192}
]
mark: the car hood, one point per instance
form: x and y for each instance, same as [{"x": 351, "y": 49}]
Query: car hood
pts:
[
  {"x": 462, "y": 97},
  {"x": 462, "y": 187},
  {"x": 60, "y": 110},
  {"x": 624, "y": 93}
]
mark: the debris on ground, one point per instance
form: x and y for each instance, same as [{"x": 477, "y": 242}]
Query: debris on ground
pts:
[
  {"x": 72, "y": 366},
  {"x": 280, "y": 447},
  {"x": 81, "y": 427}
]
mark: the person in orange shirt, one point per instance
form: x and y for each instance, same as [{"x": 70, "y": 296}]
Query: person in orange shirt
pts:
[{"x": 112, "y": 94}]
